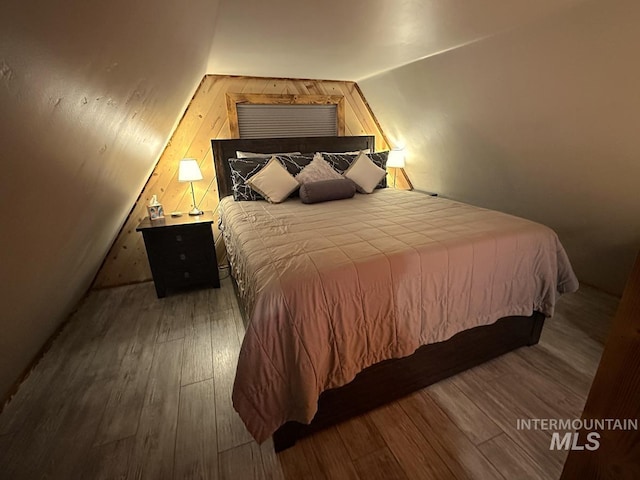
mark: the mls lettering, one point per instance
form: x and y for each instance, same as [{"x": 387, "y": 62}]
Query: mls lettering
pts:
[{"x": 571, "y": 441}]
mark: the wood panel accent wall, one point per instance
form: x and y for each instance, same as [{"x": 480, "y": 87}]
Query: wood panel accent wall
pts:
[{"x": 206, "y": 118}]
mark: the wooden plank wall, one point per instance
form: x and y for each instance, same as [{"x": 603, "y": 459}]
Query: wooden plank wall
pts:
[{"x": 206, "y": 118}]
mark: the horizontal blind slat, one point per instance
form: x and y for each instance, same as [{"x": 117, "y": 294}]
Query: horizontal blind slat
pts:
[{"x": 263, "y": 121}]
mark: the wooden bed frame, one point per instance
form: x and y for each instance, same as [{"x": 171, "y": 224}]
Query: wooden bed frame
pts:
[{"x": 391, "y": 379}]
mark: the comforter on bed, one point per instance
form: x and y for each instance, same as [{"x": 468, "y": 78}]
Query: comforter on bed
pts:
[{"x": 333, "y": 288}]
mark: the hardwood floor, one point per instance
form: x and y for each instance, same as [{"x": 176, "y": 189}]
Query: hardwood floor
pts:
[{"x": 136, "y": 387}]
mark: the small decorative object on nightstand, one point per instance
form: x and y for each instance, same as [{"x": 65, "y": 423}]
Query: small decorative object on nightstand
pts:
[
  {"x": 155, "y": 209},
  {"x": 181, "y": 252}
]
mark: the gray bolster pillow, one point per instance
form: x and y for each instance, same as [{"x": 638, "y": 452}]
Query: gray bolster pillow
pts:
[{"x": 325, "y": 190}]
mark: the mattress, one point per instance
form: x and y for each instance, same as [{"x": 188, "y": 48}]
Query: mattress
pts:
[{"x": 335, "y": 287}]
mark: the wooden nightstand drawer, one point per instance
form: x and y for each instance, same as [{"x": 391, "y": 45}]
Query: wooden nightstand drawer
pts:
[
  {"x": 180, "y": 238},
  {"x": 185, "y": 257},
  {"x": 189, "y": 275},
  {"x": 181, "y": 252}
]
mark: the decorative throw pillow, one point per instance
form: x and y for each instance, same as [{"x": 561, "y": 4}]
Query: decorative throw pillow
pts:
[
  {"x": 295, "y": 163},
  {"x": 380, "y": 159},
  {"x": 273, "y": 182},
  {"x": 326, "y": 190},
  {"x": 342, "y": 161},
  {"x": 365, "y": 174},
  {"x": 317, "y": 170},
  {"x": 243, "y": 168}
]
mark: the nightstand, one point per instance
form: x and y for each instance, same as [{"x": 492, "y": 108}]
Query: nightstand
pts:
[{"x": 181, "y": 252}]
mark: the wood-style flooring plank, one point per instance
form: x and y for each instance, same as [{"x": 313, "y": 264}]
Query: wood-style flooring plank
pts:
[
  {"x": 107, "y": 462},
  {"x": 270, "y": 461},
  {"x": 153, "y": 455},
  {"x": 360, "y": 436},
  {"x": 226, "y": 347},
  {"x": 553, "y": 367},
  {"x": 511, "y": 460},
  {"x": 414, "y": 452},
  {"x": 243, "y": 461},
  {"x": 294, "y": 463},
  {"x": 379, "y": 465},
  {"x": 506, "y": 414},
  {"x": 588, "y": 310},
  {"x": 78, "y": 428},
  {"x": 238, "y": 322},
  {"x": 33, "y": 443},
  {"x": 460, "y": 455},
  {"x": 120, "y": 336},
  {"x": 538, "y": 397},
  {"x": 572, "y": 343},
  {"x": 89, "y": 321},
  {"x": 122, "y": 413},
  {"x": 463, "y": 411},
  {"x": 196, "y": 444},
  {"x": 221, "y": 299},
  {"x": 176, "y": 312},
  {"x": 197, "y": 364},
  {"x": 333, "y": 459}
]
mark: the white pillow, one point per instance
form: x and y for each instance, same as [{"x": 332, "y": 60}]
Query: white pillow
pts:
[
  {"x": 240, "y": 154},
  {"x": 365, "y": 174},
  {"x": 273, "y": 182},
  {"x": 317, "y": 171}
]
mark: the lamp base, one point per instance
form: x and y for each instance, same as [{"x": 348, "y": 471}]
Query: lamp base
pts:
[{"x": 195, "y": 212}]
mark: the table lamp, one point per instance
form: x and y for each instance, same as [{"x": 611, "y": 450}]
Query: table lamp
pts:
[
  {"x": 395, "y": 160},
  {"x": 189, "y": 171}
]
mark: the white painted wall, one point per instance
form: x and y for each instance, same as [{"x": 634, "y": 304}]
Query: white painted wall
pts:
[
  {"x": 89, "y": 93},
  {"x": 542, "y": 121},
  {"x": 351, "y": 40}
]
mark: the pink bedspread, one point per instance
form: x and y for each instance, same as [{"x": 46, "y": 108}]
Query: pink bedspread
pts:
[{"x": 333, "y": 288}]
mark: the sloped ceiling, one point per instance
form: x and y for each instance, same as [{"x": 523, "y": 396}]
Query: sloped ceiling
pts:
[
  {"x": 89, "y": 94},
  {"x": 354, "y": 39}
]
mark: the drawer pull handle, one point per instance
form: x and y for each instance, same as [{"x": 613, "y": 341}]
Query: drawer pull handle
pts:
[
  {"x": 183, "y": 256},
  {"x": 178, "y": 238}
]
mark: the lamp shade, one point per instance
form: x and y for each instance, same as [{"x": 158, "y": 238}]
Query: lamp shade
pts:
[
  {"x": 396, "y": 159},
  {"x": 189, "y": 170}
]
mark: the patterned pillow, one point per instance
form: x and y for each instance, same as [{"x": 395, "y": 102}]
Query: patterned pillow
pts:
[
  {"x": 244, "y": 168},
  {"x": 317, "y": 170},
  {"x": 341, "y": 162},
  {"x": 295, "y": 163}
]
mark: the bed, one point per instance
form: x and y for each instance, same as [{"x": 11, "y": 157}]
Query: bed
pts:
[{"x": 336, "y": 298}]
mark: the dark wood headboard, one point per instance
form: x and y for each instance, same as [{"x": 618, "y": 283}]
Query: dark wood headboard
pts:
[{"x": 226, "y": 149}]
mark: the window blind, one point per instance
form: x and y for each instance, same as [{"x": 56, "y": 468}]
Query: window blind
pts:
[{"x": 265, "y": 121}]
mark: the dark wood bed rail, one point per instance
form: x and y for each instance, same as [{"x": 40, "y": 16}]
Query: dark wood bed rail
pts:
[{"x": 391, "y": 380}]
